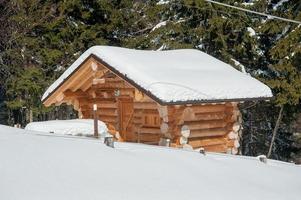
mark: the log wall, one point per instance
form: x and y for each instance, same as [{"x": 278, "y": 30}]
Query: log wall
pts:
[{"x": 214, "y": 127}]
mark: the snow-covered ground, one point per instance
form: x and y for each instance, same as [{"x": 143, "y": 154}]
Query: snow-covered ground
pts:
[
  {"x": 76, "y": 127},
  {"x": 35, "y": 166}
]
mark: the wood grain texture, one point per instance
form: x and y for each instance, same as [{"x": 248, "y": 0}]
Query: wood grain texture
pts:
[{"x": 138, "y": 118}]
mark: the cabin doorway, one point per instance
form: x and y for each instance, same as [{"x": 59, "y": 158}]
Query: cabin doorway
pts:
[{"x": 125, "y": 115}]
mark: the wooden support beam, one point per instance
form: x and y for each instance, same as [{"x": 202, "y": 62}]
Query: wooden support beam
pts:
[
  {"x": 108, "y": 85},
  {"x": 75, "y": 94},
  {"x": 99, "y": 81},
  {"x": 79, "y": 80}
]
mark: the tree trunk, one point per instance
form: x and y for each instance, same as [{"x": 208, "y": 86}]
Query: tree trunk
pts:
[
  {"x": 30, "y": 115},
  {"x": 275, "y": 130}
]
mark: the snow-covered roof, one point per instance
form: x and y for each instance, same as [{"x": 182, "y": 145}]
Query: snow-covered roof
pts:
[
  {"x": 76, "y": 127},
  {"x": 174, "y": 76},
  {"x": 43, "y": 166}
]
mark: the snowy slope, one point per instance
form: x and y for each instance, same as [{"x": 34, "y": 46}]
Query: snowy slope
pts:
[
  {"x": 37, "y": 166},
  {"x": 76, "y": 127},
  {"x": 175, "y": 75}
]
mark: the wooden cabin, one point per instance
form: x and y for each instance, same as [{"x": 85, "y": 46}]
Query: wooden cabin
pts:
[{"x": 184, "y": 95}]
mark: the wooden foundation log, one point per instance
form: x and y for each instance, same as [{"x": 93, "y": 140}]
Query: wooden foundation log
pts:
[{"x": 216, "y": 148}]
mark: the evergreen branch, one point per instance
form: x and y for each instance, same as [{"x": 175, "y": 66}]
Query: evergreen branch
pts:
[{"x": 255, "y": 12}]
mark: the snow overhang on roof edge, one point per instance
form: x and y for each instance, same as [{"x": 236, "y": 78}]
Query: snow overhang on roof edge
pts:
[{"x": 147, "y": 92}]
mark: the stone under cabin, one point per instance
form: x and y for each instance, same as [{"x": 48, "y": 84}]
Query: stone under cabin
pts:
[{"x": 184, "y": 96}]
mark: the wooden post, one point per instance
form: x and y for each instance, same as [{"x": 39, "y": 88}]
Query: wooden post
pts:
[{"x": 95, "y": 121}]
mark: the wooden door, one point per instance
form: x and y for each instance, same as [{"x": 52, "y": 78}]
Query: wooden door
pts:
[{"x": 125, "y": 115}]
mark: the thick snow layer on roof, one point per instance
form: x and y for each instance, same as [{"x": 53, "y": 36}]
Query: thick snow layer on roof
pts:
[
  {"x": 175, "y": 75},
  {"x": 76, "y": 127},
  {"x": 43, "y": 166}
]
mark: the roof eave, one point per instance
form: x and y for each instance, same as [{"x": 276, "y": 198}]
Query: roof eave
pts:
[
  {"x": 217, "y": 101},
  {"x": 148, "y": 93}
]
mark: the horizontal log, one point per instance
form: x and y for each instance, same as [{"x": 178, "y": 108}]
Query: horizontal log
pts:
[
  {"x": 150, "y": 112},
  {"x": 210, "y": 115},
  {"x": 96, "y": 81},
  {"x": 108, "y": 105},
  {"x": 114, "y": 80},
  {"x": 112, "y": 113},
  {"x": 77, "y": 93},
  {"x": 150, "y": 130},
  {"x": 117, "y": 85},
  {"x": 216, "y": 148},
  {"x": 87, "y": 101},
  {"x": 199, "y": 142},
  {"x": 145, "y": 106},
  {"x": 209, "y": 108},
  {"x": 137, "y": 121},
  {"x": 130, "y": 137},
  {"x": 109, "y": 111},
  {"x": 150, "y": 143},
  {"x": 148, "y": 137},
  {"x": 207, "y": 117},
  {"x": 136, "y": 125},
  {"x": 208, "y": 132},
  {"x": 107, "y": 119},
  {"x": 104, "y": 94},
  {"x": 206, "y": 125},
  {"x": 137, "y": 115}
]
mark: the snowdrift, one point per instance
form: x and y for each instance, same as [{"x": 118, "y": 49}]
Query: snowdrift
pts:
[
  {"x": 75, "y": 127},
  {"x": 36, "y": 166}
]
